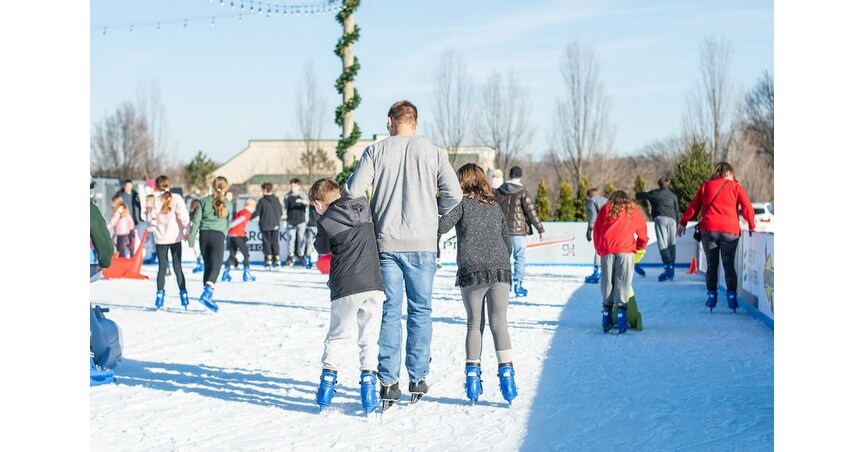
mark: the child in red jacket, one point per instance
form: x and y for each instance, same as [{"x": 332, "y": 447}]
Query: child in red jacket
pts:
[
  {"x": 620, "y": 232},
  {"x": 237, "y": 241}
]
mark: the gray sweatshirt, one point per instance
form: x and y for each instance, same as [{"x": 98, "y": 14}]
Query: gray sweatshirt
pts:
[{"x": 406, "y": 174}]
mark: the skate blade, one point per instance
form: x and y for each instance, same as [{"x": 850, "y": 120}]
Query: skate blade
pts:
[
  {"x": 386, "y": 404},
  {"x": 415, "y": 397}
]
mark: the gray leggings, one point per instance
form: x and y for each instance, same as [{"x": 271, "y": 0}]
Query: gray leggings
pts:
[{"x": 494, "y": 296}]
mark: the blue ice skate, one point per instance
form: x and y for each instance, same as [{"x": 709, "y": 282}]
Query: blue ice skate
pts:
[
  {"x": 668, "y": 273},
  {"x": 184, "y": 299},
  {"x": 160, "y": 298},
  {"x": 507, "y": 382},
  {"x": 639, "y": 270},
  {"x": 325, "y": 389},
  {"x": 226, "y": 274},
  {"x": 518, "y": 290},
  {"x": 207, "y": 298},
  {"x": 199, "y": 266},
  {"x": 473, "y": 384},
  {"x": 607, "y": 318},
  {"x": 712, "y": 300},
  {"x": 308, "y": 263},
  {"x": 247, "y": 275},
  {"x": 593, "y": 278},
  {"x": 100, "y": 375},
  {"x": 732, "y": 299},
  {"x": 368, "y": 391},
  {"x": 621, "y": 320}
]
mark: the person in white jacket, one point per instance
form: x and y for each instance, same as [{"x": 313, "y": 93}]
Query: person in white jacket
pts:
[{"x": 169, "y": 223}]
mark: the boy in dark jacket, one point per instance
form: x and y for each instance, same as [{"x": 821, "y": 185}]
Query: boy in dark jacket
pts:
[
  {"x": 665, "y": 212},
  {"x": 356, "y": 287},
  {"x": 270, "y": 211}
]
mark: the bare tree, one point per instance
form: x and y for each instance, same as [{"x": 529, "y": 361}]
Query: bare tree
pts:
[
  {"x": 133, "y": 141},
  {"x": 451, "y": 105},
  {"x": 119, "y": 144},
  {"x": 582, "y": 116},
  {"x": 759, "y": 117},
  {"x": 709, "y": 106},
  {"x": 504, "y": 113},
  {"x": 310, "y": 110}
]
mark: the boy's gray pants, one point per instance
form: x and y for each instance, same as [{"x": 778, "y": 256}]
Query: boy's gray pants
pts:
[
  {"x": 665, "y": 228},
  {"x": 363, "y": 311}
]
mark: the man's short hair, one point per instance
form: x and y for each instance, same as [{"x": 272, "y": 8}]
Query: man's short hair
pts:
[
  {"x": 664, "y": 182},
  {"x": 591, "y": 192},
  {"x": 127, "y": 181},
  {"x": 403, "y": 112},
  {"x": 295, "y": 181},
  {"x": 515, "y": 172},
  {"x": 267, "y": 186},
  {"x": 323, "y": 189}
]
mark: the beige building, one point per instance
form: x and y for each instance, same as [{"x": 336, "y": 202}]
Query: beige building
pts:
[{"x": 278, "y": 161}]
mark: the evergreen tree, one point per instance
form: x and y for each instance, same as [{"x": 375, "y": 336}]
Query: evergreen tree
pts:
[
  {"x": 693, "y": 169},
  {"x": 639, "y": 187},
  {"x": 542, "y": 203},
  {"x": 197, "y": 172},
  {"x": 566, "y": 209},
  {"x": 609, "y": 189},
  {"x": 582, "y": 200}
]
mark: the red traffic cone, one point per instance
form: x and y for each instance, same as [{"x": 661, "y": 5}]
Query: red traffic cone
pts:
[{"x": 693, "y": 268}]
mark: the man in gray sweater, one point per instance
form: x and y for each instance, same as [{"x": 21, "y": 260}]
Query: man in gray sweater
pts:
[{"x": 405, "y": 172}]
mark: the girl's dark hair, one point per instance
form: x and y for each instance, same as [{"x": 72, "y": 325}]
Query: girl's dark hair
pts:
[
  {"x": 474, "y": 184},
  {"x": 619, "y": 201},
  {"x": 721, "y": 169}
]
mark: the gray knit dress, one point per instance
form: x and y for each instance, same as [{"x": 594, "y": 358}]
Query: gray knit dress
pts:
[{"x": 482, "y": 240}]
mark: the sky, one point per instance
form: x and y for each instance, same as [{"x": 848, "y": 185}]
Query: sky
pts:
[{"x": 223, "y": 82}]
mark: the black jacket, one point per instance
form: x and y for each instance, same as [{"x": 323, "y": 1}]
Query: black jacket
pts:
[
  {"x": 294, "y": 209},
  {"x": 270, "y": 211},
  {"x": 313, "y": 216},
  {"x": 135, "y": 208},
  {"x": 664, "y": 203},
  {"x": 518, "y": 209},
  {"x": 345, "y": 229}
]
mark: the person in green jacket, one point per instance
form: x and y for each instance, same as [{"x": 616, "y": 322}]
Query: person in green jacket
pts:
[
  {"x": 101, "y": 245},
  {"x": 210, "y": 225}
]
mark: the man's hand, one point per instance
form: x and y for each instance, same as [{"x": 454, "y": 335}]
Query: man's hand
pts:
[
  {"x": 680, "y": 230},
  {"x": 541, "y": 236},
  {"x": 590, "y": 234}
]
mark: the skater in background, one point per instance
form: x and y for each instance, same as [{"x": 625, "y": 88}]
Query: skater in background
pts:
[
  {"x": 405, "y": 172},
  {"x": 269, "y": 214},
  {"x": 617, "y": 222},
  {"x": 210, "y": 226},
  {"x": 311, "y": 234},
  {"x": 133, "y": 202},
  {"x": 593, "y": 205},
  {"x": 194, "y": 205},
  {"x": 483, "y": 275},
  {"x": 237, "y": 241},
  {"x": 717, "y": 203},
  {"x": 520, "y": 213},
  {"x": 124, "y": 227},
  {"x": 356, "y": 286},
  {"x": 497, "y": 179},
  {"x": 296, "y": 204},
  {"x": 170, "y": 227},
  {"x": 665, "y": 213},
  {"x": 150, "y": 243}
]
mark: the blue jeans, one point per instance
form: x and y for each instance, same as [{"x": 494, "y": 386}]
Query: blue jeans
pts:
[
  {"x": 413, "y": 272},
  {"x": 519, "y": 243}
]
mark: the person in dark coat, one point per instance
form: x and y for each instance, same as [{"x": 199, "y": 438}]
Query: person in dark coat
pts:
[
  {"x": 665, "y": 213},
  {"x": 520, "y": 214},
  {"x": 345, "y": 230},
  {"x": 130, "y": 197},
  {"x": 270, "y": 212}
]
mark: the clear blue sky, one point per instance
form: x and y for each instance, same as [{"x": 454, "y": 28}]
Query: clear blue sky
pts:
[{"x": 225, "y": 84}]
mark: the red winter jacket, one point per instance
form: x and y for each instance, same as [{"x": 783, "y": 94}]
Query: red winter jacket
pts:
[
  {"x": 616, "y": 236},
  {"x": 237, "y": 228},
  {"x": 722, "y": 214}
]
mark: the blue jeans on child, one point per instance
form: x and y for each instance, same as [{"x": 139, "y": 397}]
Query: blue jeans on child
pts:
[{"x": 412, "y": 272}]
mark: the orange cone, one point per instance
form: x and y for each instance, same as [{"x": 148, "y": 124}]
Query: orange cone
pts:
[
  {"x": 693, "y": 268},
  {"x": 127, "y": 267}
]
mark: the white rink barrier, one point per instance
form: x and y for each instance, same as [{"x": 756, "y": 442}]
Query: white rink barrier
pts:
[{"x": 754, "y": 262}]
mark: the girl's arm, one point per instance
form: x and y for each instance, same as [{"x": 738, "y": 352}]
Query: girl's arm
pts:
[{"x": 448, "y": 220}]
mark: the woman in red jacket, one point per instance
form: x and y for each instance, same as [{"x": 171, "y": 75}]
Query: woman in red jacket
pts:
[
  {"x": 718, "y": 201},
  {"x": 620, "y": 232}
]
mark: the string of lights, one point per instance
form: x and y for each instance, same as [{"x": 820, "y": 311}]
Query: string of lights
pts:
[{"x": 242, "y": 8}]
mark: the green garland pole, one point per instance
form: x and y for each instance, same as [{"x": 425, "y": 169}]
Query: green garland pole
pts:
[{"x": 345, "y": 86}]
